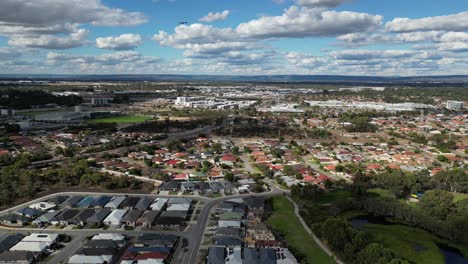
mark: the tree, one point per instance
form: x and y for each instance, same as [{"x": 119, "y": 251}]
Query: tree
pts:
[
  {"x": 455, "y": 180},
  {"x": 437, "y": 203}
]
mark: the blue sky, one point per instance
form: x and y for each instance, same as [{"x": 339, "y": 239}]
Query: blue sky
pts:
[{"x": 350, "y": 37}]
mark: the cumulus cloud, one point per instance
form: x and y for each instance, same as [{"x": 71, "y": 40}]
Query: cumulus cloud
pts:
[
  {"x": 211, "y": 17},
  {"x": 370, "y": 54},
  {"x": 454, "y": 22},
  {"x": 43, "y": 23},
  {"x": 321, "y": 3},
  {"x": 303, "y": 22},
  {"x": 75, "y": 39},
  {"x": 8, "y": 53},
  {"x": 122, "y": 42}
]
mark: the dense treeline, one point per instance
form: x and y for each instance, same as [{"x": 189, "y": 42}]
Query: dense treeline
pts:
[
  {"x": 436, "y": 212},
  {"x": 403, "y": 184},
  {"x": 26, "y": 99},
  {"x": 18, "y": 181},
  {"x": 355, "y": 246}
]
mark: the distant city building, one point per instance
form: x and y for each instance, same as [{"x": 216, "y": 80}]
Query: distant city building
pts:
[
  {"x": 99, "y": 101},
  {"x": 454, "y": 105},
  {"x": 282, "y": 108},
  {"x": 371, "y": 105},
  {"x": 7, "y": 112},
  {"x": 211, "y": 103}
]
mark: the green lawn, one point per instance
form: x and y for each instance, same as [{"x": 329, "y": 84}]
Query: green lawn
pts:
[
  {"x": 379, "y": 192},
  {"x": 126, "y": 119},
  {"x": 459, "y": 196},
  {"x": 333, "y": 196},
  {"x": 284, "y": 221},
  {"x": 413, "y": 244}
]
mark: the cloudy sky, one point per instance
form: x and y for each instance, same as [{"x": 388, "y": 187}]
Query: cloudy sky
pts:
[{"x": 350, "y": 37}]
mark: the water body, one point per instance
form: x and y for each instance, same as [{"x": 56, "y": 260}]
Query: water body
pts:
[{"x": 451, "y": 255}]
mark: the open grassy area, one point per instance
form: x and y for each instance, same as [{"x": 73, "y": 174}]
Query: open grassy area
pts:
[
  {"x": 413, "y": 244},
  {"x": 460, "y": 196},
  {"x": 333, "y": 196},
  {"x": 284, "y": 221},
  {"x": 379, "y": 192},
  {"x": 126, "y": 119}
]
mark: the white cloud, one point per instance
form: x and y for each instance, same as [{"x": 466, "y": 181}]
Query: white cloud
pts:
[
  {"x": 215, "y": 16},
  {"x": 43, "y": 23},
  {"x": 303, "y": 22},
  {"x": 75, "y": 39},
  {"x": 321, "y": 3},
  {"x": 122, "y": 42},
  {"x": 454, "y": 22},
  {"x": 370, "y": 54}
]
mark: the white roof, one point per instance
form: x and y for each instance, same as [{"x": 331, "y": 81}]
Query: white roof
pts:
[
  {"x": 158, "y": 204},
  {"x": 30, "y": 246},
  {"x": 115, "y": 217},
  {"x": 229, "y": 223},
  {"x": 38, "y": 237},
  {"x": 151, "y": 261},
  {"x": 179, "y": 207},
  {"x": 43, "y": 206},
  {"x": 83, "y": 259},
  {"x": 115, "y": 202},
  {"x": 108, "y": 236}
]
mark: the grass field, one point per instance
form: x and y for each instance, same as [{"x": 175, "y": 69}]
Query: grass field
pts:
[
  {"x": 413, "y": 244},
  {"x": 284, "y": 221},
  {"x": 379, "y": 192},
  {"x": 330, "y": 197},
  {"x": 460, "y": 196},
  {"x": 126, "y": 119}
]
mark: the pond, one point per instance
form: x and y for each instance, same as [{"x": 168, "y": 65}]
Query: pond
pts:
[{"x": 451, "y": 255}]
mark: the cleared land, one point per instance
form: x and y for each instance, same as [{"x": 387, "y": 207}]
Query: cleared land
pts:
[
  {"x": 283, "y": 221},
  {"x": 126, "y": 119}
]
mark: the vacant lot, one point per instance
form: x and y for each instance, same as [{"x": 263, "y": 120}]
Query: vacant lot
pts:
[
  {"x": 284, "y": 221},
  {"x": 126, "y": 119}
]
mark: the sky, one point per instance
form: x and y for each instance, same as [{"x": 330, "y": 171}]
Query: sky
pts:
[{"x": 234, "y": 37}]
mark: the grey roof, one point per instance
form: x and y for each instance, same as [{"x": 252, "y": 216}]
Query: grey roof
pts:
[
  {"x": 17, "y": 257},
  {"x": 157, "y": 240},
  {"x": 251, "y": 256},
  {"x": 14, "y": 218},
  {"x": 66, "y": 215},
  {"x": 148, "y": 217},
  {"x": 73, "y": 201},
  {"x": 131, "y": 216},
  {"x": 216, "y": 255},
  {"x": 129, "y": 202},
  {"x": 100, "y": 201},
  {"x": 8, "y": 241},
  {"x": 57, "y": 200},
  {"x": 228, "y": 231},
  {"x": 267, "y": 256},
  {"x": 228, "y": 241},
  {"x": 45, "y": 218},
  {"x": 179, "y": 214},
  {"x": 178, "y": 200},
  {"x": 115, "y": 202},
  {"x": 98, "y": 216},
  {"x": 83, "y": 216},
  {"x": 171, "y": 185},
  {"x": 254, "y": 202},
  {"x": 144, "y": 203},
  {"x": 30, "y": 212}
]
